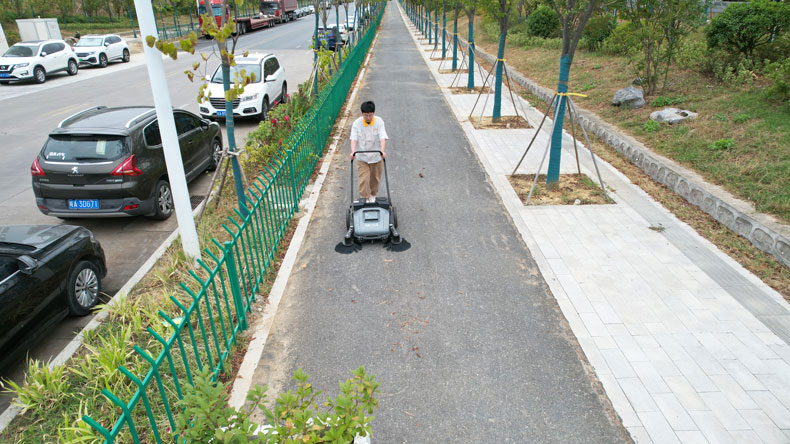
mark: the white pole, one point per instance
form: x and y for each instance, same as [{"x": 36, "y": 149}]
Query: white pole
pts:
[{"x": 167, "y": 127}]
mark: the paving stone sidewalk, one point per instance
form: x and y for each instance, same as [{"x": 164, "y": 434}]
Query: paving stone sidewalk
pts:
[{"x": 689, "y": 346}]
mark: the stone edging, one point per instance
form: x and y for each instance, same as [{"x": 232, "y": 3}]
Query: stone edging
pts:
[{"x": 762, "y": 230}]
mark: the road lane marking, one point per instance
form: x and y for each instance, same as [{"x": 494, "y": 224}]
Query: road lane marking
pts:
[{"x": 66, "y": 109}]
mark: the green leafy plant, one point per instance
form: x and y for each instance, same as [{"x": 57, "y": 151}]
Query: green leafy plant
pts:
[
  {"x": 742, "y": 118},
  {"x": 720, "y": 117},
  {"x": 651, "y": 126},
  {"x": 41, "y": 386},
  {"x": 666, "y": 101},
  {"x": 543, "y": 22},
  {"x": 722, "y": 144},
  {"x": 294, "y": 417}
]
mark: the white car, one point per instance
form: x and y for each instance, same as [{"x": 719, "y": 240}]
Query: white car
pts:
[
  {"x": 99, "y": 50},
  {"x": 268, "y": 89},
  {"x": 343, "y": 30},
  {"x": 36, "y": 60}
]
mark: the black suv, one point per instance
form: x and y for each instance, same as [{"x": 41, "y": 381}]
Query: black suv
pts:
[{"x": 109, "y": 162}]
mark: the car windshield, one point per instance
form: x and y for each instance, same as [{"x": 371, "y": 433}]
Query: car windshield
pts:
[
  {"x": 248, "y": 68},
  {"x": 66, "y": 148},
  {"x": 21, "y": 51},
  {"x": 90, "y": 41},
  {"x": 269, "y": 7}
]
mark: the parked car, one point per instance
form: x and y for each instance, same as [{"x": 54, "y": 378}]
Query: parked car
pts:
[
  {"x": 100, "y": 50},
  {"x": 37, "y": 60},
  {"x": 326, "y": 38},
  {"x": 268, "y": 89},
  {"x": 46, "y": 273},
  {"x": 109, "y": 162},
  {"x": 343, "y": 30}
]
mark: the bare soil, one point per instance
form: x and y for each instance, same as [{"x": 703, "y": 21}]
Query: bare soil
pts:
[
  {"x": 450, "y": 71},
  {"x": 504, "y": 122},
  {"x": 465, "y": 90},
  {"x": 572, "y": 188}
]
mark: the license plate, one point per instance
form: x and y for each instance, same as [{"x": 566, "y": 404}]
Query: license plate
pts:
[
  {"x": 5, "y": 75},
  {"x": 83, "y": 204},
  {"x": 220, "y": 113}
]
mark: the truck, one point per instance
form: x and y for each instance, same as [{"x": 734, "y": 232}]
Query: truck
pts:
[
  {"x": 243, "y": 24},
  {"x": 281, "y": 10}
]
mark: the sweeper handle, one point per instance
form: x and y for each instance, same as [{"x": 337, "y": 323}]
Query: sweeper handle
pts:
[{"x": 386, "y": 176}]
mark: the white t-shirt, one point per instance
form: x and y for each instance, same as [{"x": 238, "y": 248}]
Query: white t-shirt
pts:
[{"x": 368, "y": 137}]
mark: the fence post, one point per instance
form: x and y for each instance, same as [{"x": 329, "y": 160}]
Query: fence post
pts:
[
  {"x": 293, "y": 179},
  {"x": 134, "y": 32},
  {"x": 233, "y": 277}
]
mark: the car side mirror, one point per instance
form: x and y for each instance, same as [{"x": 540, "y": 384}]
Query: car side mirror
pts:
[
  {"x": 43, "y": 53},
  {"x": 106, "y": 43},
  {"x": 27, "y": 265},
  {"x": 270, "y": 78},
  {"x": 204, "y": 124}
]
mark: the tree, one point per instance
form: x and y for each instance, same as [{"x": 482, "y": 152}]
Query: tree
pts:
[
  {"x": 500, "y": 11},
  {"x": 573, "y": 17},
  {"x": 660, "y": 26},
  {"x": 469, "y": 7},
  {"x": 744, "y": 27}
]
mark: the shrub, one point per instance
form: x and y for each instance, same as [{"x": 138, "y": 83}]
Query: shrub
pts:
[
  {"x": 526, "y": 41},
  {"x": 779, "y": 72},
  {"x": 294, "y": 417},
  {"x": 598, "y": 29},
  {"x": 744, "y": 27},
  {"x": 543, "y": 22},
  {"x": 623, "y": 40}
]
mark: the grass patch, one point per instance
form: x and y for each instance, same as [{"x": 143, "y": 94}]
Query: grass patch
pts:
[{"x": 755, "y": 168}]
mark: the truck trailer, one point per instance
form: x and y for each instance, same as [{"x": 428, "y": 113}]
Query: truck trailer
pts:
[{"x": 243, "y": 24}]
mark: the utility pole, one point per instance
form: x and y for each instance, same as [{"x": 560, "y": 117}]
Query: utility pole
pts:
[{"x": 167, "y": 128}]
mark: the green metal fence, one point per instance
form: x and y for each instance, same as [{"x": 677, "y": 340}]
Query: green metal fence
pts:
[{"x": 232, "y": 275}]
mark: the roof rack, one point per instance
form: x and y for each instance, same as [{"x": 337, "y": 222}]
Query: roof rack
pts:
[
  {"x": 74, "y": 116},
  {"x": 139, "y": 117}
]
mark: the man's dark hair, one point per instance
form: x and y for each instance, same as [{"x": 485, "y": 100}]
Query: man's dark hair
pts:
[{"x": 368, "y": 107}]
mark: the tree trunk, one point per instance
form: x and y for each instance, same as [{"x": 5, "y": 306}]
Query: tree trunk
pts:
[
  {"x": 503, "y": 23},
  {"x": 470, "y": 82},
  {"x": 455, "y": 35}
]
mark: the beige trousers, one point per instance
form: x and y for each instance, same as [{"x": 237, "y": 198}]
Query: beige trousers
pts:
[{"x": 369, "y": 178}]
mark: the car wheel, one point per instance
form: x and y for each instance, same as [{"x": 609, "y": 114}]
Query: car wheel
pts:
[
  {"x": 103, "y": 60},
  {"x": 39, "y": 75},
  {"x": 73, "y": 68},
  {"x": 163, "y": 201},
  {"x": 84, "y": 287},
  {"x": 126, "y": 56},
  {"x": 284, "y": 95},
  {"x": 216, "y": 155},
  {"x": 264, "y": 109}
]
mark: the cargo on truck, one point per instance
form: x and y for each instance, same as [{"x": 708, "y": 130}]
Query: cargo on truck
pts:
[
  {"x": 281, "y": 10},
  {"x": 243, "y": 24}
]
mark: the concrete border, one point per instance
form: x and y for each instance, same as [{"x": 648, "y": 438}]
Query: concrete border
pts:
[{"x": 764, "y": 231}]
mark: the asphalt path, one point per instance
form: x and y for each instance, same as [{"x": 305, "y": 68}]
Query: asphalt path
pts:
[
  {"x": 30, "y": 111},
  {"x": 460, "y": 329}
]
